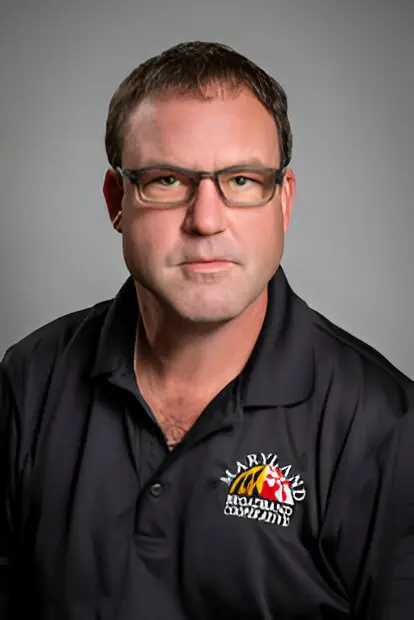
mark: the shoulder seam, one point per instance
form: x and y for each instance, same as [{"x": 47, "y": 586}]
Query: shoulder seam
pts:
[{"x": 365, "y": 350}]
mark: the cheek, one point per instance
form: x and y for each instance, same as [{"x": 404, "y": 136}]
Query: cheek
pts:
[
  {"x": 147, "y": 238},
  {"x": 263, "y": 232}
]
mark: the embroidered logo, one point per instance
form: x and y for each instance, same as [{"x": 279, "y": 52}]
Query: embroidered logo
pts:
[{"x": 263, "y": 489}]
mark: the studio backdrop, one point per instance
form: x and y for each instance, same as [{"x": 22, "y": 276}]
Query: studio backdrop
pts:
[{"x": 347, "y": 68}]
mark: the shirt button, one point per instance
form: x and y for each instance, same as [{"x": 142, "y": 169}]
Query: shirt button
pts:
[{"x": 156, "y": 489}]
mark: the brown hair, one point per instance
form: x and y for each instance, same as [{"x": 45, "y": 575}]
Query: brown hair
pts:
[{"x": 191, "y": 68}]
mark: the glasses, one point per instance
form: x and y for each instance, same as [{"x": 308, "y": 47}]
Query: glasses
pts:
[{"x": 170, "y": 186}]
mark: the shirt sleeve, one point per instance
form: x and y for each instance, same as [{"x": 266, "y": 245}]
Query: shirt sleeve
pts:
[
  {"x": 367, "y": 533},
  {"x": 393, "y": 590},
  {"x": 8, "y": 434},
  {"x": 5, "y": 407}
]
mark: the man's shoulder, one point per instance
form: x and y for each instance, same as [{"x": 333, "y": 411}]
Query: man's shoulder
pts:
[
  {"x": 337, "y": 341},
  {"x": 43, "y": 345},
  {"x": 355, "y": 364}
]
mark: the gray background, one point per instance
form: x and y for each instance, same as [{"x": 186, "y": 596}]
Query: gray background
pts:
[{"x": 347, "y": 69}]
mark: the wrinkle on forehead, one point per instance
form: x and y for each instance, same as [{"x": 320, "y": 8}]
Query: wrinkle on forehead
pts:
[{"x": 189, "y": 130}]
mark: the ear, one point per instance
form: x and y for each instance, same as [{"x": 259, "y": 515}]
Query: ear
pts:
[
  {"x": 113, "y": 192},
  {"x": 287, "y": 196}
]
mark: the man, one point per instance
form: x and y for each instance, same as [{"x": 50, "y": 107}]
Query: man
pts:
[{"x": 205, "y": 445}]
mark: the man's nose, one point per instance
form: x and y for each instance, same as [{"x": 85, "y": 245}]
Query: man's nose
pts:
[{"x": 206, "y": 215}]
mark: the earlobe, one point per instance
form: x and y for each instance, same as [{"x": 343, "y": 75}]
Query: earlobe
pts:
[
  {"x": 113, "y": 192},
  {"x": 287, "y": 197},
  {"x": 117, "y": 221}
]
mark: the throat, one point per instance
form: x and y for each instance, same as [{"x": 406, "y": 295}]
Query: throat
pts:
[
  {"x": 174, "y": 432},
  {"x": 174, "y": 425}
]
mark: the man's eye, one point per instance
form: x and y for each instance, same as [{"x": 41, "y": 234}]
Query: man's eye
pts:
[
  {"x": 244, "y": 181},
  {"x": 167, "y": 181},
  {"x": 240, "y": 180}
]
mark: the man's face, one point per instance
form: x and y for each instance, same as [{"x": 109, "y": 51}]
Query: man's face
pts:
[{"x": 164, "y": 247}]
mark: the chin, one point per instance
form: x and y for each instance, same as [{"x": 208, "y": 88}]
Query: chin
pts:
[
  {"x": 204, "y": 311},
  {"x": 208, "y": 318}
]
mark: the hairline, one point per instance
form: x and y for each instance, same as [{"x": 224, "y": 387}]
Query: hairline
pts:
[{"x": 222, "y": 89}]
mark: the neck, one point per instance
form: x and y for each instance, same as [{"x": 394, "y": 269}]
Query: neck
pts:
[{"x": 174, "y": 354}]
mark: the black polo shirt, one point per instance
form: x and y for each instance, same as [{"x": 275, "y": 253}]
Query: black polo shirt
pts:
[{"x": 289, "y": 498}]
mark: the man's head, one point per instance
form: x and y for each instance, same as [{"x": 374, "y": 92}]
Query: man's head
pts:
[{"x": 203, "y": 107}]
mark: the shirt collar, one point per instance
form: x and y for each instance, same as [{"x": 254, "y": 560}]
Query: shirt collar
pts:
[
  {"x": 280, "y": 370},
  {"x": 115, "y": 350}
]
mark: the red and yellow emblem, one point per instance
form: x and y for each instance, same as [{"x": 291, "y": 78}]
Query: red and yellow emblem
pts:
[{"x": 263, "y": 481}]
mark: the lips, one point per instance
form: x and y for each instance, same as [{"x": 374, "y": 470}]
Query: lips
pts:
[
  {"x": 207, "y": 265},
  {"x": 202, "y": 259}
]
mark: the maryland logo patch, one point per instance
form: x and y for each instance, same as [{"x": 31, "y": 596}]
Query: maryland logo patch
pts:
[{"x": 264, "y": 490}]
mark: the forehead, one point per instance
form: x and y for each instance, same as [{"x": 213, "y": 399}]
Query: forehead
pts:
[{"x": 201, "y": 133}]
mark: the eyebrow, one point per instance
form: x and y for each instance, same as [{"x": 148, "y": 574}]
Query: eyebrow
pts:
[{"x": 253, "y": 162}]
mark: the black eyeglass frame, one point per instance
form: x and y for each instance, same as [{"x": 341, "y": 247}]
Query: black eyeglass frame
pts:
[{"x": 196, "y": 176}]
